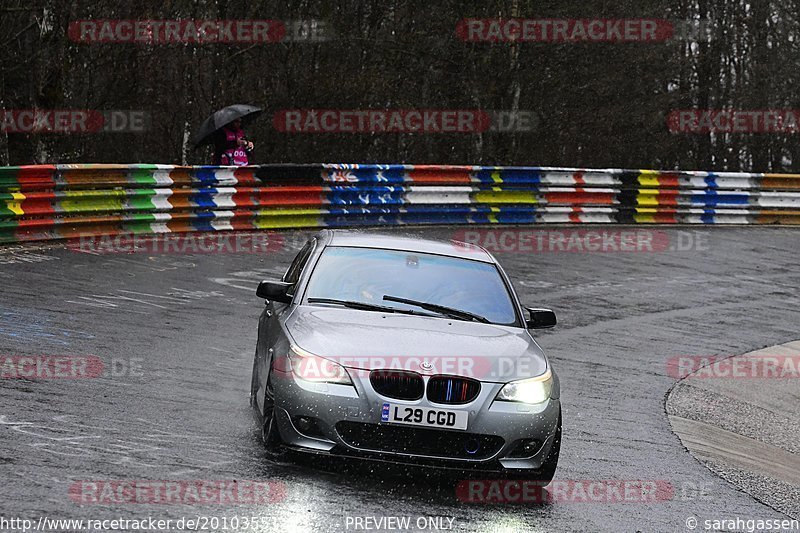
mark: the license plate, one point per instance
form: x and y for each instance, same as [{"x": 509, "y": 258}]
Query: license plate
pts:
[{"x": 424, "y": 416}]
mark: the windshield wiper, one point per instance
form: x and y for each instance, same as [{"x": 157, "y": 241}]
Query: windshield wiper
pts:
[
  {"x": 441, "y": 309},
  {"x": 364, "y": 306}
]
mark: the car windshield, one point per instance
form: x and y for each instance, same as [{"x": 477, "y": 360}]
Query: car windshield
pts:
[{"x": 366, "y": 275}]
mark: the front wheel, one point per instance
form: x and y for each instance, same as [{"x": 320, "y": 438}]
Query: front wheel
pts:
[
  {"x": 254, "y": 383},
  {"x": 270, "y": 435}
]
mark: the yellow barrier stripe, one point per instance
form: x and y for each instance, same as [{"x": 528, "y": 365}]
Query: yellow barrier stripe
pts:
[{"x": 507, "y": 197}]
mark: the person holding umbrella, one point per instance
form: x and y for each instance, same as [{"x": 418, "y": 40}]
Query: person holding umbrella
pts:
[
  {"x": 224, "y": 130},
  {"x": 230, "y": 145}
]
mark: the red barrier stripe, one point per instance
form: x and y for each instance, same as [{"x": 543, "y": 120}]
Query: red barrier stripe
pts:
[
  {"x": 36, "y": 222},
  {"x": 38, "y": 206},
  {"x": 668, "y": 180},
  {"x": 277, "y": 196},
  {"x": 246, "y": 176},
  {"x": 244, "y": 199},
  {"x": 239, "y": 224},
  {"x": 36, "y": 177},
  {"x": 667, "y": 199},
  {"x": 664, "y": 218},
  {"x": 579, "y": 198},
  {"x": 436, "y": 175},
  {"x": 243, "y": 213}
]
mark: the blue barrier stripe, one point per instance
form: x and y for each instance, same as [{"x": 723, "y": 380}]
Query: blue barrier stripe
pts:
[{"x": 720, "y": 199}]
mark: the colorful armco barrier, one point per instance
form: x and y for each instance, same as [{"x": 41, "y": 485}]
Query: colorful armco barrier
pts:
[{"x": 65, "y": 201}]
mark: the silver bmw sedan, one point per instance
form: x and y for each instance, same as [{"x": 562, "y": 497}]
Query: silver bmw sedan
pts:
[{"x": 405, "y": 350}]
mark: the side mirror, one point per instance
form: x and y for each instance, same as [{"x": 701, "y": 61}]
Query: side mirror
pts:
[
  {"x": 540, "y": 318},
  {"x": 278, "y": 291}
]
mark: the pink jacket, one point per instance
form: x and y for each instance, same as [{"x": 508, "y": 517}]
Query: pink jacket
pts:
[{"x": 227, "y": 150}]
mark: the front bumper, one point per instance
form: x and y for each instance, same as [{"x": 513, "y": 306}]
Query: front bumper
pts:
[{"x": 345, "y": 420}]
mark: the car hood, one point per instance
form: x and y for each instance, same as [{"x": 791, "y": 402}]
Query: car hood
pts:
[{"x": 372, "y": 340}]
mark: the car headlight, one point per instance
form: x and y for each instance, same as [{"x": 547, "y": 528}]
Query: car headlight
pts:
[
  {"x": 533, "y": 390},
  {"x": 310, "y": 367}
]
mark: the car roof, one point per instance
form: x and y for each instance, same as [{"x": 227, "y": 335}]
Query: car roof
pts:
[{"x": 408, "y": 243}]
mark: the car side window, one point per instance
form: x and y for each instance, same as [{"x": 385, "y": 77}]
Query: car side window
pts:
[{"x": 293, "y": 273}]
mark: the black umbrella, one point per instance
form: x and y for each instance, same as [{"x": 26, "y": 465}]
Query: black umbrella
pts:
[{"x": 222, "y": 117}]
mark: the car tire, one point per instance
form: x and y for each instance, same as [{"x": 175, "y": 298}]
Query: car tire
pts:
[
  {"x": 253, "y": 384},
  {"x": 270, "y": 435}
]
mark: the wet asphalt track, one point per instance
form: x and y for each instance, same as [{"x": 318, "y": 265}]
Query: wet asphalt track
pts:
[{"x": 190, "y": 323}]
